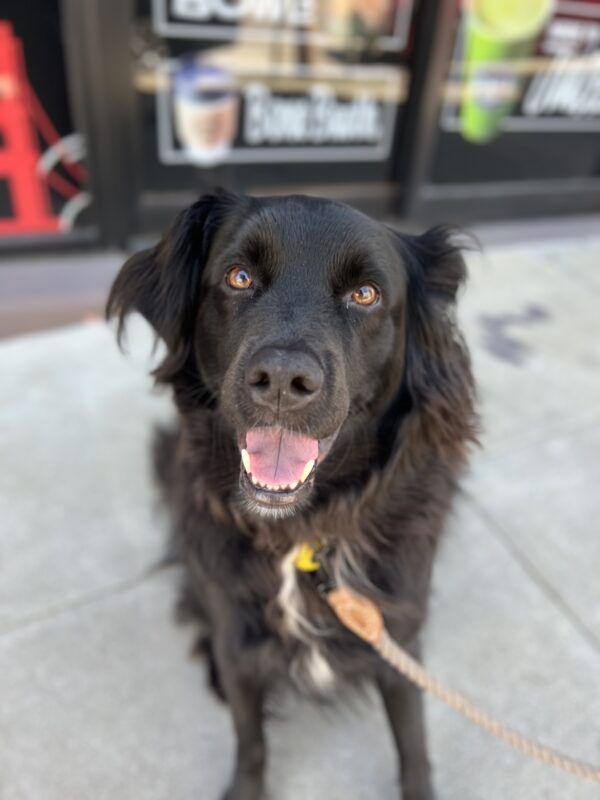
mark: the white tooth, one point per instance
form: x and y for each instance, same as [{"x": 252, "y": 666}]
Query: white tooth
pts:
[
  {"x": 246, "y": 461},
  {"x": 292, "y": 486},
  {"x": 307, "y": 470}
]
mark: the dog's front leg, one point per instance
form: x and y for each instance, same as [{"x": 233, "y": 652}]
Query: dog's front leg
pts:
[
  {"x": 404, "y": 707},
  {"x": 245, "y": 697}
]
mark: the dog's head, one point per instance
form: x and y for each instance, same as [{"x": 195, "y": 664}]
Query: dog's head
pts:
[{"x": 304, "y": 323}]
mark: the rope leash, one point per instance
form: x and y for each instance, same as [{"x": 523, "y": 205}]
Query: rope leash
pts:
[{"x": 364, "y": 619}]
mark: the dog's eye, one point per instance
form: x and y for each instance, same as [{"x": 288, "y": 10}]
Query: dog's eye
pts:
[
  {"x": 366, "y": 295},
  {"x": 239, "y": 278}
]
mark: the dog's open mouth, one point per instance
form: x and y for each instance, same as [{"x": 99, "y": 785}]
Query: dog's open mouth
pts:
[{"x": 278, "y": 466}]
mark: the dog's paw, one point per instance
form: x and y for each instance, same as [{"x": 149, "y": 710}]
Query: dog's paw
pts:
[
  {"x": 233, "y": 794},
  {"x": 420, "y": 793},
  {"x": 415, "y": 781},
  {"x": 245, "y": 788}
]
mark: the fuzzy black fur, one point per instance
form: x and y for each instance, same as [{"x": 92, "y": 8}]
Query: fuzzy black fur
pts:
[{"x": 397, "y": 392}]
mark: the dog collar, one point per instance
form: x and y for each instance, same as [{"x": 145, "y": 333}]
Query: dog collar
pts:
[
  {"x": 313, "y": 558},
  {"x": 306, "y": 560}
]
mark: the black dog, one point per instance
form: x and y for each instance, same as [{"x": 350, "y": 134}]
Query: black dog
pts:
[{"x": 324, "y": 396}]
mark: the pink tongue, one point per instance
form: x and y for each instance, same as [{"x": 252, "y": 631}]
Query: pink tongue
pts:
[{"x": 278, "y": 456}]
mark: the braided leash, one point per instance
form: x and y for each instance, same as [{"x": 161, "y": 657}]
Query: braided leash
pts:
[{"x": 364, "y": 619}]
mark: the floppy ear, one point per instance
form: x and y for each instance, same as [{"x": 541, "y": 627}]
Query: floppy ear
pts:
[
  {"x": 163, "y": 283},
  {"x": 438, "y": 375}
]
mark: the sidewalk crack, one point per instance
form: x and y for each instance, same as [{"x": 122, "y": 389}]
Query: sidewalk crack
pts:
[
  {"x": 81, "y": 601},
  {"x": 536, "y": 575}
]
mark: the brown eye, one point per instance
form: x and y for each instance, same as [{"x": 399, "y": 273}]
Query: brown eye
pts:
[
  {"x": 366, "y": 295},
  {"x": 239, "y": 278}
]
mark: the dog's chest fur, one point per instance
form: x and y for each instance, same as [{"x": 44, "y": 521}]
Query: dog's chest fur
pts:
[{"x": 310, "y": 668}]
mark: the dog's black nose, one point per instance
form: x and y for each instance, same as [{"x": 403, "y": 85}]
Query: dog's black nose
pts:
[{"x": 283, "y": 380}]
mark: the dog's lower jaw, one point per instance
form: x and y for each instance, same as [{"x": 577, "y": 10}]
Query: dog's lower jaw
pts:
[
  {"x": 268, "y": 512},
  {"x": 273, "y": 505}
]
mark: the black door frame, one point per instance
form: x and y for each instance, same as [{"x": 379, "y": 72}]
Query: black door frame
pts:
[{"x": 97, "y": 36}]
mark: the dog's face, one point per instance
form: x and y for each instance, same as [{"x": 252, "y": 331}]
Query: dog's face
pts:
[
  {"x": 292, "y": 315},
  {"x": 300, "y": 328}
]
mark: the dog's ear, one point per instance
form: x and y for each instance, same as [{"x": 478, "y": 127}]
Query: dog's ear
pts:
[
  {"x": 437, "y": 374},
  {"x": 163, "y": 283},
  {"x": 435, "y": 262}
]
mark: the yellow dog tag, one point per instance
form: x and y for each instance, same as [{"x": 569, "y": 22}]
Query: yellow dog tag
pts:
[{"x": 305, "y": 560}]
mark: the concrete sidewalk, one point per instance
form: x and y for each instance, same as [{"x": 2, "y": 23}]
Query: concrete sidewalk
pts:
[{"x": 98, "y": 698}]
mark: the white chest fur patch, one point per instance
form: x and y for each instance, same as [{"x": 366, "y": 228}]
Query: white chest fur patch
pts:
[{"x": 311, "y": 668}]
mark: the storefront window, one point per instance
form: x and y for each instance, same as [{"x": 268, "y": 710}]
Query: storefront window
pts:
[
  {"x": 523, "y": 95},
  {"x": 269, "y": 94}
]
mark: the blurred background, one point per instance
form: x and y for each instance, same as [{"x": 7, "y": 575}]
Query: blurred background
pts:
[{"x": 114, "y": 115}]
